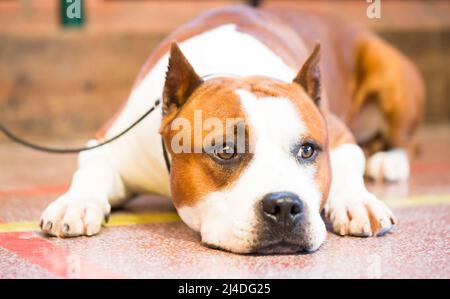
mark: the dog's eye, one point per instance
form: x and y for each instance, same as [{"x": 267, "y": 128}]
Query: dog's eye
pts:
[
  {"x": 307, "y": 151},
  {"x": 227, "y": 152}
]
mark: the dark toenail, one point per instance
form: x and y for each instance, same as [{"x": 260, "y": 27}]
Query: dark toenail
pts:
[
  {"x": 48, "y": 225},
  {"x": 66, "y": 228},
  {"x": 41, "y": 223},
  {"x": 107, "y": 217}
]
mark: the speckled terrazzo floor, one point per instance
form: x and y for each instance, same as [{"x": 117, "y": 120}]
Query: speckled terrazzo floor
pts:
[{"x": 146, "y": 239}]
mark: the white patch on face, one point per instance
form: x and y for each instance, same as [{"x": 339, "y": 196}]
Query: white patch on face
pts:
[{"x": 228, "y": 218}]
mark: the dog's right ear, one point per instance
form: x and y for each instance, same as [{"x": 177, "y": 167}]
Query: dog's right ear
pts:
[{"x": 181, "y": 81}]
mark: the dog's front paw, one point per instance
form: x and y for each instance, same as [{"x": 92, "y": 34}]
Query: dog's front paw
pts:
[
  {"x": 70, "y": 216},
  {"x": 391, "y": 165},
  {"x": 361, "y": 215}
]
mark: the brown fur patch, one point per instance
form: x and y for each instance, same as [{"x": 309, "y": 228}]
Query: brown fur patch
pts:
[
  {"x": 194, "y": 175},
  {"x": 386, "y": 78}
]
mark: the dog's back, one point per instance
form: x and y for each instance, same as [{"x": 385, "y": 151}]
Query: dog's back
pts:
[{"x": 367, "y": 83}]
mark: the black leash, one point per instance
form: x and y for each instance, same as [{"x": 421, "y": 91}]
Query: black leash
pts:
[
  {"x": 166, "y": 156},
  {"x": 54, "y": 150}
]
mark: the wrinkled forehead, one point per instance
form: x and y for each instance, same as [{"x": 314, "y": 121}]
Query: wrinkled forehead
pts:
[{"x": 257, "y": 99}]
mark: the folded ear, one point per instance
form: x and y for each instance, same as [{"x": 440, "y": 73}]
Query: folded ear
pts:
[
  {"x": 309, "y": 76},
  {"x": 181, "y": 81}
]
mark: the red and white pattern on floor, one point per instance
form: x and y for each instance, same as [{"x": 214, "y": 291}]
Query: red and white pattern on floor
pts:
[{"x": 146, "y": 239}]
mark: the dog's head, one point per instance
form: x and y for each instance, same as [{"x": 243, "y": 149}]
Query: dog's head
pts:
[{"x": 250, "y": 163}]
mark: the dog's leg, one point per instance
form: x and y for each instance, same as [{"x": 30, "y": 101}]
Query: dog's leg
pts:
[
  {"x": 391, "y": 165},
  {"x": 389, "y": 100},
  {"x": 350, "y": 207},
  {"x": 96, "y": 186}
]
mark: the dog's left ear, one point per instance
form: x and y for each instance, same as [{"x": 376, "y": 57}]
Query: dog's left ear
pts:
[
  {"x": 309, "y": 76},
  {"x": 181, "y": 81}
]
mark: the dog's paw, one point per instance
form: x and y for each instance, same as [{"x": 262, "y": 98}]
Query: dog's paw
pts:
[
  {"x": 392, "y": 166},
  {"x": 362, "y": 215},
  {"x": 69, "y": 216}
]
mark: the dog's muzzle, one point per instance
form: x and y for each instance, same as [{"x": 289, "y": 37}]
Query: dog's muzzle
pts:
[{"x": 282, "y": 224}]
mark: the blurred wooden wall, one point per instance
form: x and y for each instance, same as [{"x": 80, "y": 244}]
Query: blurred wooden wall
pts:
[{"x": 58, "y": 82}]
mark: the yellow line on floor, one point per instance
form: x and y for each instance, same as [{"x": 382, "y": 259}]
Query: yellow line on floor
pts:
[
  {"x": 130, "y": 219},
  {"x": 115, "y": 220},
  {"x": 148, "y": 218},
  {"x": 417, "y": 200},
  {"x": 22, "y": 226}
]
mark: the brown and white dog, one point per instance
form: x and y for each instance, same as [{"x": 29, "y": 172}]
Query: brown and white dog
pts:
[{"x": 301, "y": 128}]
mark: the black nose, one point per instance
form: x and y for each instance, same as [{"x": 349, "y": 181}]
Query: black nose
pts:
[{"x": 284, "y": 207}]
